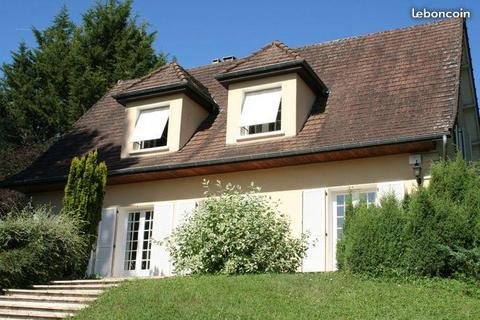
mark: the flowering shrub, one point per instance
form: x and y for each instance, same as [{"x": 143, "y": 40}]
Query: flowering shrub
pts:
[{"x": 235, "y": 232}]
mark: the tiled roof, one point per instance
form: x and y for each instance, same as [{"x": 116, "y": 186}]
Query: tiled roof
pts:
[{"x": 397, "y": 85}]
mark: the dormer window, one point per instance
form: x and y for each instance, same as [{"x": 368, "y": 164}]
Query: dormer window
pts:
[
  {"x": 151, "y": 129},
  {"x": 269, "y": 98},
  {"x": 163, "y": 111},
  {"x": 261, "y": 112}
]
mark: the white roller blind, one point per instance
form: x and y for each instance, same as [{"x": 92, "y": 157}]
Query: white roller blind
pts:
[
  {"x": 260, "y": 107},
  {"x": 150, "y": 124},
  {"x": 313, "y": 222}
]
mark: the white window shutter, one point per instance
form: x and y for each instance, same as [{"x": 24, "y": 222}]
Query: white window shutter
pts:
[
  {"x": 395, "y": 187},
  {"x": 162, "y": 228},
  {"x": 313, "y": 222},
  {"x": 182, "y": 209},
  {"x": 260, "y": 107},
  {"x": 150, "y": 124},
  {"x": 104, "y": 250}
]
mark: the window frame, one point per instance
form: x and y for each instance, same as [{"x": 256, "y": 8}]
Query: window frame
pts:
[
  {"x": 265, "y": 134},
  {"x": 165, "y": 147}
]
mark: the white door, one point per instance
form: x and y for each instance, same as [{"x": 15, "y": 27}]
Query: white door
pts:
[{"x": 137, "y": 245}]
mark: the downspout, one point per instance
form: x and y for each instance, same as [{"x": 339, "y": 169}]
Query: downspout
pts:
[{"x": 444, "y": 140}]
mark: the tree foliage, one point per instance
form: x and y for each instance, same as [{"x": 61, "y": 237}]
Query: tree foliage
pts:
[
  {"x": 84, "y": 192},
  {"x": 110, "y": 45},
  {"x": 44, "y": 90},
  {"x": 435, "y": 232},
  {"x": 235, "y": 232}
]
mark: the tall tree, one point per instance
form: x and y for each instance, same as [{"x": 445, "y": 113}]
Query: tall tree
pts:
[
  {"x": 53, "y": 60},
  {"x": 19, "y": 88},
  {"x": 45, "y": 90},
  {"x": 109, "y": 46}
]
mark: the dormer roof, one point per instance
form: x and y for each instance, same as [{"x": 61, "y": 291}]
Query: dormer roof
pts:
[
  {"x": 168, "y": 79},
  {"x": 273, "y": 59}
]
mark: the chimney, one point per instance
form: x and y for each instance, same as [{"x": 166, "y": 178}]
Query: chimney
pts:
[{"x": 229, "y": 58}]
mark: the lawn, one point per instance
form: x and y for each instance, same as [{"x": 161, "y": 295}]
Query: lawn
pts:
[{"x": 287, "y": 296}]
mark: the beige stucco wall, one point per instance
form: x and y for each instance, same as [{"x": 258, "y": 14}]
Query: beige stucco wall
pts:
[
  {"x": 297, "y": 101},
  {"x": 184, "y": 119},
  {"x": 284, "y": 184}
]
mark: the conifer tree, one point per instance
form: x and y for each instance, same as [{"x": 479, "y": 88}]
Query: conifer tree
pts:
[
  {"x": 109, "y": 46},
  {"x": 19, "y": 86},
  {"x": 53, "y": 60},
  {"x": 45, "y": 90},
  {"x": 84, "y": 192}
]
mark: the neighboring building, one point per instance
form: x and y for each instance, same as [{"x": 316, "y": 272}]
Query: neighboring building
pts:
[{"x": 310, "y": 125}]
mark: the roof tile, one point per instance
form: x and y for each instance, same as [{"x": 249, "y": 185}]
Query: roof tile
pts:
[{"x": 389, "y": 85}]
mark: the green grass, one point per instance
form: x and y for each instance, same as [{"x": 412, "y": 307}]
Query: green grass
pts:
[{"x": 287, "y": 296}]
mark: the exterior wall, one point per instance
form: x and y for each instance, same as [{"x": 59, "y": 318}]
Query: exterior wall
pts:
[
  {"x": 305, "y": 100},
  {"x": 285, "y": 184},
  {"x": 297, "y": 101},
  {"x": 192, "y": 116},
  {"x": 185, "y": 117}
]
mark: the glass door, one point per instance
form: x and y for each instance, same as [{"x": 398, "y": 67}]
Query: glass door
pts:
[{"x": 138, "y": 243}]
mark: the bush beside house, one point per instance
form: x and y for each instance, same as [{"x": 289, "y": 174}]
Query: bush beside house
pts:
[
  {"x": 434, "y": 232},
  {"x": 37, "y": 245},
  {"x": 235, "y": 232}
]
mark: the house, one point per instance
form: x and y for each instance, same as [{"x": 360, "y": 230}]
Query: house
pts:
[{"x": 311, "y": 125}]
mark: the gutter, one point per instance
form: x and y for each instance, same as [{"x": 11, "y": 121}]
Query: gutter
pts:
[
  {"x": 300, "y": 66},
  {"x": 187, "y": 87},
  {"x": 261, "y": 156}
]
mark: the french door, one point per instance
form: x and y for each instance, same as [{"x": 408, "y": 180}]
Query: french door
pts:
[{"x": 138, "y": 243}]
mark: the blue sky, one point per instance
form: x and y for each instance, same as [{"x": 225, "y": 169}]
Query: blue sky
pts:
[{"x": 198, "y": 31}]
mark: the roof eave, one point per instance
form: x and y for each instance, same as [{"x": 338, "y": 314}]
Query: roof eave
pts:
[
  {"x": 19, "y": 184},
  {"x": 186, "y": 87},
  {"x": 299, "y": 66}
]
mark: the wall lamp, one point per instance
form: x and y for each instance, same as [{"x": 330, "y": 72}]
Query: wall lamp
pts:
[
  {"x": 416, "y": 160},
  {"x": 417, "y": 171}
]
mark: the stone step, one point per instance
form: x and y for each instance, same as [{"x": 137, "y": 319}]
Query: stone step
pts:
[
  {"x": 90, "y": 281},
  {"x": 70, "y": 293},
  {"x": 32, "y": 314},
  {"x": 41, "y": 306},
  {"x": 73, "y": 287},
  {"x": 60, "y": 299}
]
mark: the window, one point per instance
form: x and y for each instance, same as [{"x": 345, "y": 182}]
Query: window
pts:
[
  {"x": 138, "y": 248},
  {"x": 151, "y": 129},
  {"x": 342, "y": 201},
  {"x": 261, "y": 112},
  {"x": 369, "y": 197},
  {"x": 132, "y": 241}
]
